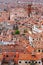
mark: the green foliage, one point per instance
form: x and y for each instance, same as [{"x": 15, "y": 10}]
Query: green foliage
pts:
[
  {"x": 17, "y": 32},
  {"x": 32, "y": 63}
]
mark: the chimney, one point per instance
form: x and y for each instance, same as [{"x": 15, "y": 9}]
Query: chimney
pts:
[{"x": 29, "y": 9}]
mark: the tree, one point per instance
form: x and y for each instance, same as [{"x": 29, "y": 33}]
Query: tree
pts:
[{"x": 17, "y": 32}]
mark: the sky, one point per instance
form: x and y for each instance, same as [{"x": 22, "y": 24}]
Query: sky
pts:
[{"x": 21, "y": 0}]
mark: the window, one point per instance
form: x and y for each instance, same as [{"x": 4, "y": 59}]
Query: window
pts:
[
  {"x": 36, "y": 62},
  {"x": 5, "y": 9},
  {"x": 0, "y": 15},
  {"x": 19, "y": 61},
  {"x": 36, "y": 13},
  {"x": 0, "y": 49},
  {"x": 14, "y": 55},
  {"x": 42, "y": 50},
  {"x": 15, "y": 19},
  {"x": 33, "y": 39},
  {"x": 7, "y": 56},
  {"x": 37, "y": 20},
  {"x": 42, "y": 13},
  {"x": 25, "y": 61},
  {"x": 23, "y": 24},
  {"x": 38, "y": 50},
  {"x": 29, "y": 62},
  {"x": 0, "y": 33},
  {"x": 9, "y": 18},
  {"x": 39, "y": 62},
  {"x": 15, "y": 14}
]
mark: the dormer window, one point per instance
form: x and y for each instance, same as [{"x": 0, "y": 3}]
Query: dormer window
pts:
[
  {"x": 36, "y": 13},
  {"x": 42, "y": 50},
  {"x": 42, "y": 14},
  {"x": 7, "y": 56},
  {"x": 36, "y": 62},
  {"x": 39, "y": 62},
  {"x": 39, "y": 50},
  {"x": 37, "y": 20},
  {"x": 15, "y": 14},
  {"x": 9, "y": 18}
]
